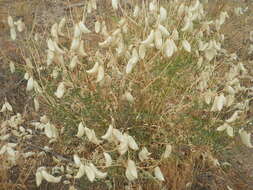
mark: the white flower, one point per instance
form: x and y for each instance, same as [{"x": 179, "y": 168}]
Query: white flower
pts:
[
  {"x": 163, "y": 14},
  {"x": 94, "y": 69},
  {"x": 108, "y": 159},
  {"x": 131, "y": 171},
  {"x": 170, "y": 47},
  {"x": 75, "y": 43},
  {"x": 164, "y": 30},
  {"x": 132, "y": 61},
  {"x": 101, "y": 73},
  {"x": 39, "y": 176},
  {"x": 188, "y": 26},
  {"x": 230, "y": 131},
  {"x": 108, "y": 134},
  {"x": 144, "y": 154},
  {"x": 61, "y": 25},
  {"x": 77, "y": 160},
  {"x": 91, "y": 135},
  {"x": 136, "y": 11},
  {"x": 49, "y": 177},
  {"x": 219, "y": 102},
  {"x": 167, "y": 151},
  {"x": 80, "y": 172},
  {"x": 175, "y": 35},
  {"x": 123, "y": 146},
  {"x": 98, "y": 174},
  {"x": 13, "y": 33},
  {"x": 73, "y": 62},
  {"x": 89, "y": 173},
  {"x": 50, "y": 57},
  {"x": 234, "y": 117},
  {"x": 142, "y": 51},
  {"x": 208, "y": 96},
  {"x": 131, "y": 143},
  {"x": 6, "y": 106},
  {"x": 50, "y": 131},
  {"x": 29, "y": 86},
  {"x": 158, "y": 39},
  {"x": 158, "y": 174},
  {"x": 97, "y": 26},
  {"x": 81, "y": 130},
  {"x": 57, "y": 48},
  {"x": 149, "y": 39},
  {"x": 12, "y": 67},
  {"x": 107, "y": 42},
  {"x": 10, "y": 22},
  {"x": 186, "y": 46},
  {"x": 36, "y": 104},
  {"x": 228, "y": 128},
  {"x": 115, "y": 4},
  {"x": 81, "y": 50},
  {"x": 128, "y": 96},
  {"x": 83, "y": 28},
  {"x": 54, "y": 31},
  {"x": 246, "y": 138},
  {"x": 153, "y": 6},
  {"x": 50, "y": 45},
  {"x": 60, "y": 90}
]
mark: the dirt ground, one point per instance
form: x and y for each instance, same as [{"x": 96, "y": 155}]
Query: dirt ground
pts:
[{"x": 44, "y": 13}]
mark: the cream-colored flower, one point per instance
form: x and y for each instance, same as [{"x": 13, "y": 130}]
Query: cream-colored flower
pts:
[
  {"x": 143, "y": 154},
  {"x": 158, "y": 174},
  {"x": 81, "y": 130},
  {"x": 246, "y": 138},
  {"x": 60, "y": 90},
  {"x": 186, "y": 45},
  {"x": 131, "y": 171},
  {"x": 108, "y": 159}
]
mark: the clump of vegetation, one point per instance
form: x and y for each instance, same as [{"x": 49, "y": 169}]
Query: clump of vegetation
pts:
[{"x": 117, "y": 95}]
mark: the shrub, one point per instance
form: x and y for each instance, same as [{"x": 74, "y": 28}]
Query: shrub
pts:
[{"x": 119, "y": 93}]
